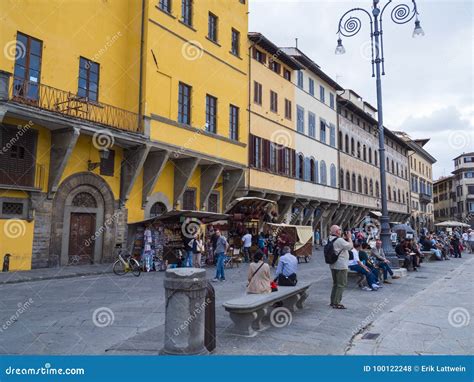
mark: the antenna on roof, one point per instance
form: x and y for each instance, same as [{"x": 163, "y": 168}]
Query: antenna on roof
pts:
[{"x": 296, "y": 42}]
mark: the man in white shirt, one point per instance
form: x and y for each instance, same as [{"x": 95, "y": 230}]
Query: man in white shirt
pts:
[
  {"x": 246, "y": 244},
  {"x": 356, "y": 265}
]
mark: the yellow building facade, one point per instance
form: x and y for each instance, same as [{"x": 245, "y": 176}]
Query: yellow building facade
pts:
[
  {"x": 271, "y": 118},
  {"x": 94, "y": 127}
]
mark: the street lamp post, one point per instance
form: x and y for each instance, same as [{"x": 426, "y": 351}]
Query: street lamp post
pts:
[{"x": 350, "y": 25}]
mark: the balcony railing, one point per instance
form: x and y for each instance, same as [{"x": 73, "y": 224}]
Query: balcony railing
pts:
[
  {"x": 33, "y": 177},
  {"x": 425, "y": 198},
  {"x": 71, "y": 105}
]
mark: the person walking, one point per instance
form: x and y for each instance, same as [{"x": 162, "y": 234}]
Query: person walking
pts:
[
  {"x": 317, "y": 238},
  {"x": 283, "y": 240},
  {"x": 220, "y": 250},
  {"x": 341, "y": 244},
  {"x": 258, "y": 276},
  {"x": 455, "y": 244},
  {"x": 246, "y": 244},
  {"x": 198, "y": 249}
]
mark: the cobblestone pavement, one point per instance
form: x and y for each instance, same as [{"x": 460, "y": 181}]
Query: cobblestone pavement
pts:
[{"x": 107, "y": 314}]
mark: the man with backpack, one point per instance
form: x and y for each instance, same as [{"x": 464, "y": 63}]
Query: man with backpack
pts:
[{"x": 336, "y": 254}]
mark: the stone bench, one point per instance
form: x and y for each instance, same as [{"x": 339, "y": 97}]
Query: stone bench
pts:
[
  {"x": 248, "y": 312},
  {"x": 429, "y": 255},
  {"x": 361, "y": 277}
]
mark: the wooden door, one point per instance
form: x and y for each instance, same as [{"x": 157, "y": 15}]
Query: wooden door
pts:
[{"x": 81, "y": 242}]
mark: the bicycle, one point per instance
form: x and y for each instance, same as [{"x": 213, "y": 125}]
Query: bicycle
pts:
[{"x": 125, "y": 264}]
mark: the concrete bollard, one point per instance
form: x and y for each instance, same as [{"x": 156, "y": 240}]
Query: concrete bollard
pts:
[{"x": 185, "y": 292}]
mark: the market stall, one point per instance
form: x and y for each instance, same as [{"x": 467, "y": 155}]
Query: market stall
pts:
[
  {"x": 249, "y": 213},
  {"x": 164, "y": 237},
  {"x": 299, "y": 238}
]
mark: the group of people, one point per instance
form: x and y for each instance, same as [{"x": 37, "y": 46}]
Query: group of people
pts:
[
  {"x": 444, "y": 245},
  {"x": 269, "y": 244},
  {"x": 259, "y": 279},
  {"x": 354, "y": 253},
  {"x": 358, "y": 256}
]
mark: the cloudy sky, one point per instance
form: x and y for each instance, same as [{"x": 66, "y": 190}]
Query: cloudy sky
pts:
[{"x": 428, "y": 88}]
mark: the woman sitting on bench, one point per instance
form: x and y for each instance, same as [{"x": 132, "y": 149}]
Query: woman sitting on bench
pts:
[{"x": 259, "y": 275}]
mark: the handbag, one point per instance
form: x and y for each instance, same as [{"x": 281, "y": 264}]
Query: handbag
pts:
[
  {"x": 287, "y": 280},
  {"x": 274, "y": 286}
]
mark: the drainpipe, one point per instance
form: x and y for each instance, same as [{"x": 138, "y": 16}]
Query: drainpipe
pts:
[
  {"x": 249, "y": 106},
  {"x": 140, "y": 85}
]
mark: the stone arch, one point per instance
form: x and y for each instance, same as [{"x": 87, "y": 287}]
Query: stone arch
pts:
[
  {"x": 105, "y": 223},
  {"x": 157, "y": 197}
]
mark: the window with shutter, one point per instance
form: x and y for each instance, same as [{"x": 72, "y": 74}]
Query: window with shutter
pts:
[
  {"x": 252, "y": 150},
  {"x": 189, "y": 199},
  {"x": 291, "y": 163},
  {"x": 213, "y": 203},
  {"x": 17, "y": 162}
]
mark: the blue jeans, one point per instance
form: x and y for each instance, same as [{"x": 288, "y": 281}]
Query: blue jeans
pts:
[
  {"x": 189, "y": 259},
  {"x": 220, "y": 266},
  {"x": 438, "y": 253},
  {"x": 246, "y": 252},
  {"x": 385, "y": 269},
  {"x": 371, "y": 279}
]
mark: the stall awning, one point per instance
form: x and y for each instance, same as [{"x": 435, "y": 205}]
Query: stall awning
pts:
[
  {"x": 248, "y": 201},
  {"x": 304, "y": 232},
  {"x": 179, "y": 216},
  {"x": 452, "y": 223},
  {"x": 376, "y": 213}
]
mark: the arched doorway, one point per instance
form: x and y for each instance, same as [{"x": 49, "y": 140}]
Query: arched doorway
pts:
[
  {"x": 83, "y": 224},
  {"x": 84, "y": 214}
]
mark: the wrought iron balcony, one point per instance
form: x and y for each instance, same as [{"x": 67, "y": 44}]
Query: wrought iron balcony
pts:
[
  {"x": 71, "y": 105},
  {"x": 33, "y": 177},
  {"x": 425, "y": 198}
]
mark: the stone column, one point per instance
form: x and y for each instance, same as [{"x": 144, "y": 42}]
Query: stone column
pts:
[{"x": 185, "y": 292}]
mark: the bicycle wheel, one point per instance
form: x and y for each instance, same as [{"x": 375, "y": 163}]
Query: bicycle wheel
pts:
[
  {"x": 135, "y": 267},
  {"x": 119, "y": 268}
]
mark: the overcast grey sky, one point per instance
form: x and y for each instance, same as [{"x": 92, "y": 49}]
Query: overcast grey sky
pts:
[{"x": 428, "y": 90}]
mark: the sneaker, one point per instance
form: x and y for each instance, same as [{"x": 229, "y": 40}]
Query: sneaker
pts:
[
  {"x": 367, "y": 289},
  {"x": 223, "y": 279},
  {"x": 215, "y": 279},
  {"x": 375, "y": 287},
  {"x": 379, "y": 285}
]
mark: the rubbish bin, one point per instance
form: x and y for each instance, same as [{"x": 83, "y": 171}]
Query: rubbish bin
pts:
[{"x": 210, "y": 318}]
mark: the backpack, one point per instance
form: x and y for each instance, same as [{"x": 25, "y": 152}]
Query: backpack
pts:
[{"x": 330, "y": 255}]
